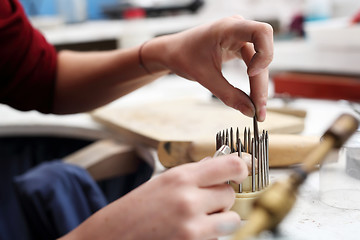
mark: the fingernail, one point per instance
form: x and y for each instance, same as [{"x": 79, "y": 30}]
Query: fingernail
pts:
[
  {"x": 262, "y": 114},
  {"x": 227, "y": 228},
  {"x": 254, "y": 71},
  {"x": 247, "y": 110}
]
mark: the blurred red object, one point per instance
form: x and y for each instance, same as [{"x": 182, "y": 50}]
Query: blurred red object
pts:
[
  {"x": 318, "y": 86},
  {"x": 134, "y": 13},
  {"x": 356, "y": 18}
]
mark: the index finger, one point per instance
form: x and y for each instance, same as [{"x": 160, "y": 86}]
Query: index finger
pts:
[
  {"x": 257, "y": 53},
  {"x": 219, "y": 170},
  {"x": 261, "y": 36},
  {"x": 239, "y": 31}
]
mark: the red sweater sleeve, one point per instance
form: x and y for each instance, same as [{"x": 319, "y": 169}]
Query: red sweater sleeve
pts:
[{"x": 27, "y": 62}]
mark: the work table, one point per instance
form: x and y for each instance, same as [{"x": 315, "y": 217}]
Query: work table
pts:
[{"x": 309, "y": 219}]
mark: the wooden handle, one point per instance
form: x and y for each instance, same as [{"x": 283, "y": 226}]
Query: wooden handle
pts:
[
  {"x": 284, "y": 150},
  {"x": 105, "y": 159},
  {"x": 289, "y": 111}
]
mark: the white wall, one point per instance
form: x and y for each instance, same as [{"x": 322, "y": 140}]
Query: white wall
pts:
[
  {"x": 254, "y": 9},
  {"x": 283, "y": 10},
  {"x": 343, "y": 8}
]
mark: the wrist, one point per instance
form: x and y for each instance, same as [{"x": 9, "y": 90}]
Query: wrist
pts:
[{"x": 152, "y": 56}]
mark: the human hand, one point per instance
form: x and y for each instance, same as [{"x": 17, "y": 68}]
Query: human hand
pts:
[
  {"x": 190, "y": 201},
  {"x": 197, "y": 54}
]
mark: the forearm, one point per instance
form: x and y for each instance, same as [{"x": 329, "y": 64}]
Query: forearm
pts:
[{"x": 89, "y": 80}]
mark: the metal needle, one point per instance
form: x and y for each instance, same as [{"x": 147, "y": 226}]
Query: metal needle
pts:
[
  {"x": 245, "y": 141},
  {"x": 249, "y": 141},
  {"x": 267, "y": 158},
  {"x": 253, "y": 167},
  {"x": 257, "y": 146},
  {"x": 256, "y": 128},
  {"x": 240, "y": 155},
  {"x": 232, "y": 140}
]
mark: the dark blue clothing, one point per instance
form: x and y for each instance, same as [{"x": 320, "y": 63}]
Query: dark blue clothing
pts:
[
  {"x": 19, "y": 155},
  {"x": 56, "y": 197}
]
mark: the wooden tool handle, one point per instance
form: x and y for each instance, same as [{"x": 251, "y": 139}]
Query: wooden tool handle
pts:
[
  {"x": 288, "y": 111},
  {"x": 284, "y": 150},
  {"x": 106, "y": 159}
]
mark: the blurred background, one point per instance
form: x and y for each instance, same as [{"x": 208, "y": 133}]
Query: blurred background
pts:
[
  {"x": 281, "y": 9},
  {"x": 283, "y": 14},
  {"x": 317, "y": 42}
]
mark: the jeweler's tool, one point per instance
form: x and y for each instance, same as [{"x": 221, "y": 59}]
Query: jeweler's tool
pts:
[
  {"x": 254, "y": 152},
  {"x": 239, "y": 148},
  {"x": 277, "y": 200}
]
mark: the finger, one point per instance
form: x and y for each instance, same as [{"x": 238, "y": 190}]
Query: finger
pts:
[
  {"x": 218, "y": 198},
  {"x": 262, "y": 39},
  {"x": 258, "y": 84},
  {"x": 219, "y": 170},
  {"x": 218, "y": 224},
  {"x": 228, "y": 94},
  {"x": 257, "y": 33}
]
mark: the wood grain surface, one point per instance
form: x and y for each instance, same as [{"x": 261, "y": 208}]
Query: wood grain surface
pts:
[{"x": 186, "y": 120}]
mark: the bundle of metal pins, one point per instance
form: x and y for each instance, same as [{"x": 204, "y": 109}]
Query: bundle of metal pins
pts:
[{"x": 257, "y": 146}]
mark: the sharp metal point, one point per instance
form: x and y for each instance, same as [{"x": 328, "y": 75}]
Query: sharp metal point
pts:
[
  {"x": 240, "y": 155},
  {"x": 249, "y": 140},
  {"x": 217, "y": 141},
  {"x": 245, "y": 141},
  {"x": 267, "y": 158},
  {"x": 256, "y": 137},
  {"x": 256, "y": 153},
  {"x": 232, "y": 140},
  {"x": 220, "y": 139},
  {"x": 223, "y": 137},
  {"x": 253, "y": 174},
  {"x": 262, "y": 144},
  {"x": 227, "y": 137},
  {"x": 239, "y": 148},
  {"x": 256, "y": 128},
  {"x": 257, "y": 145},
  {"x": 237, "y": 138},
  {"x": 264, "y": 161},
  {"x": 260, "y": 166}
]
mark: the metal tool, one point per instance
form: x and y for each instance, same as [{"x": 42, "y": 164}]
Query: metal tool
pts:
[
  {"x": 255, "y": 145},
  {"x": 222, "y": 150}
]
